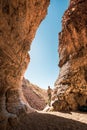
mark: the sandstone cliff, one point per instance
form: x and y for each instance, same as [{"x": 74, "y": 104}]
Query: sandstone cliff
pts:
[
  {"x": 36, "y": 97},
  {"x": 19, "y": 20},
  {"x": 71, "y": 86}
]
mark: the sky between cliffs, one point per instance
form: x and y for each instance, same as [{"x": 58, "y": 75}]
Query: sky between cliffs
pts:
[{"x": 43, "y": 68}]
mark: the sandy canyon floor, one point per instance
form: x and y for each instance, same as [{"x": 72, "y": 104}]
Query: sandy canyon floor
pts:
[{"x": 52, "y": 121}]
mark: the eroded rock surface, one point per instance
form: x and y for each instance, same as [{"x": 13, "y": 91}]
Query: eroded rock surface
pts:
[
  {"x": 71, "y": 85},
  {"x": 35, "y": 96},
  {"x": 19, "y": 20}
]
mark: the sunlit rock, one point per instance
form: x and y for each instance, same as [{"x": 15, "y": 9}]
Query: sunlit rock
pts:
[
  {"x": 71, "y": 84},
  {"x": 19, "y": 20},
  {"x": 36, "y": 96}
]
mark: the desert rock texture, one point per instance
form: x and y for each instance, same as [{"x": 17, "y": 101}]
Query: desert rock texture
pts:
[
  {"x": 71, "y": 86},
  {"x": 19, "y": 20},
  {"x": 35, "y": 96}
]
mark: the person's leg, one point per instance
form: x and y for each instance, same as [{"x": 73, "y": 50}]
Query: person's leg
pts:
[{"x": 49, "y": 100}]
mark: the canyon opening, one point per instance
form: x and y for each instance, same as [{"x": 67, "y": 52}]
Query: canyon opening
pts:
[
  {"x": 43, "y": 67},
  {"x": 19, "y": 21}
]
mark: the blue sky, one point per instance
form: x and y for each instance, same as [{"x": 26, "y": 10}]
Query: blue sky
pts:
[{"x": 43, "y": 68}]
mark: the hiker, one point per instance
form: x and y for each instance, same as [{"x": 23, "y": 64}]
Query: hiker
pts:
[{"x": 49, "y": 92}]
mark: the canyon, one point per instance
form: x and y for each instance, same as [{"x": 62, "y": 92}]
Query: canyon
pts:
[{"x": 19, "y": 20}]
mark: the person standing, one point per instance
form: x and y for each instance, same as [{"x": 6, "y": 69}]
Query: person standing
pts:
[{"x": 49, "y": 92}]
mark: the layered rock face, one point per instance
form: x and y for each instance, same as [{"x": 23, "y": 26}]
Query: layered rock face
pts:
[
  {"x": 71, "y": 86},
  {"x": 35, "y": 96},
  {"x": 19, "y": 20}
]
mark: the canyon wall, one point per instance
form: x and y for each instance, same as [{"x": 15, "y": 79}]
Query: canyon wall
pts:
[
  {"x": 19, "y": 20},
  {"x": 35, "y": 96},
  {"x": 71, "y": 86}
]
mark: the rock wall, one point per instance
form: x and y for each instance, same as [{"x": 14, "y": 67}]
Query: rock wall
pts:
[
  {"x": 35, "y": 96},
  {"x": 71, "y": 86},
  {"x": 19, "y": 20}
]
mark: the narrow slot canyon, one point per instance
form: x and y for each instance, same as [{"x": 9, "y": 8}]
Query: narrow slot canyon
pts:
[
  {"x": 43, "y": 70},
  {"x": 19, "y": 20}
]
